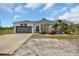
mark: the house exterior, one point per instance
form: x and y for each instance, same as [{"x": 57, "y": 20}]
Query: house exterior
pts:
[{"x": 32, "y": 26}]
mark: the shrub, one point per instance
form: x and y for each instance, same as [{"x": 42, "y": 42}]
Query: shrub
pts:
[
  {"x": 67, "y": 32},
  {"x": 53, "y": 32},
  {"x": 43, "y": 32}
]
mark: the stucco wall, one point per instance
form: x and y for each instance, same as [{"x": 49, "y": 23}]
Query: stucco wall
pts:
[
  {"x": 14, "y": 29},
  {"x": 19, "y": 24},
  {"x": 50, "y": 28},
  {"x": 33, "y": 26}
]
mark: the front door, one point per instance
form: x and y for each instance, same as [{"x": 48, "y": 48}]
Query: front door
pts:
[{"x": 37, "y": 28}]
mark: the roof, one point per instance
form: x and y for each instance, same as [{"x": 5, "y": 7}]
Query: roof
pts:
[{"x": 40, "y": 21}]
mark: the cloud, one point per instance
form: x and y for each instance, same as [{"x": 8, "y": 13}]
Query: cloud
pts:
[
  {"x": 59, "y": 11},
  {"x": 62, "y": 10},
  {"x": 6, "y": 7},
  {"x": 54, "y": 14},
  {"x": 48, "y": 6},
  {"x": 65, "y": 16},
  {"x": 32, "y": 6},
  {"x": 73, "y": 15},
  {"x": 19, "y": 9},
  {"x": 16, "y": 17}
]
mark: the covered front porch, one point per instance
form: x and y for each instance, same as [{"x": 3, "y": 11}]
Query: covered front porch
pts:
[{"x": 38, "y": 28}]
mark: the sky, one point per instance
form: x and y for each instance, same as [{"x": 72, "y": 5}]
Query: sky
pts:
[{"x": 12, "y": 12}]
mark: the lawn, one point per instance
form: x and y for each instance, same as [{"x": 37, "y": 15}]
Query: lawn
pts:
[
  {"x": 69, "y": 37},
  {"x": 6, "y": 31}
]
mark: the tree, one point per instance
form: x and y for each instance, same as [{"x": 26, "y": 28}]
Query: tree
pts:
[
  {"x": 61, "y": 25},
  {"x": 74, "y": 28},
  {"x": 1, "y": 28}
]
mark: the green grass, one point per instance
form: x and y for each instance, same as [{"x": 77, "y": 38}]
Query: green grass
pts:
[
  {"x": 6, "y": 31},
  {"x": 69, "y": 37}
]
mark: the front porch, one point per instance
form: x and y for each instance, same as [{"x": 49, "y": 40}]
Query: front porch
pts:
[{"x": 38, "y": 28}]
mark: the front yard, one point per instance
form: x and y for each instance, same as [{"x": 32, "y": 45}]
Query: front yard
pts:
[
  {"x": 6, "y": 31},
  {"x": 57, "y": 36},
  {"x": 50, "y": 45},
  {"x": 41, "y": 45}
]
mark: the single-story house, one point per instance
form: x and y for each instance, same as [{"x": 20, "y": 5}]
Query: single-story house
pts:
[{"x": 32, "y": 26}]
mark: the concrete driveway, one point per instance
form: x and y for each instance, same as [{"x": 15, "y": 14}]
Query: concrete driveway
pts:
[
  {"x": 10, "y": 42},
  {"x": 49, "y": 47}
]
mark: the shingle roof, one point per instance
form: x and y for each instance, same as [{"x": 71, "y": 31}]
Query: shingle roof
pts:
[{"x": 40, "y": 21}]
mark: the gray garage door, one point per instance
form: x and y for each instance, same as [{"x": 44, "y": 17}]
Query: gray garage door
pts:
[{"x": 24, "y": 29}]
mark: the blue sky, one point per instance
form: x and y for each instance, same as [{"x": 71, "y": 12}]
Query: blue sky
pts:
[{"x": 10, "y": 12}]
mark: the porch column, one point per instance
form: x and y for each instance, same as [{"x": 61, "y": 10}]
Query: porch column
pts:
[
  {"x": 40, "y": 28},
  {"x": 33, "y": 28},
  {"x": 14, "y": 28},
  {"x": 50, "y": 28}
]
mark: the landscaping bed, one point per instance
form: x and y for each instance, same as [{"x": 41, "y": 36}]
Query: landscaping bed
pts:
[{"x": 57, "y": 36}]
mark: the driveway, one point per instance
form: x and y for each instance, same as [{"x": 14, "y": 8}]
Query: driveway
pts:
[
  {"x": 49, "y": 47},
  {"x": 10, "y": 42}
]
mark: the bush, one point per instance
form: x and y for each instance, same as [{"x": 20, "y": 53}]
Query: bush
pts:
[
  {"x": 43, "y": 32},
  {"x": 67, "y": 32},
  {"x": 77, "y": 32},
  {"x": 53, "y": 32}
]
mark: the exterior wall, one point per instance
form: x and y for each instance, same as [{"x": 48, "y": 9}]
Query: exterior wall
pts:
[
  {"x": 14, "y": 29},
  {"x": 50, "y": 28},
  {"x": 18, "y": 24},
  {"x": 40, "y": 25},
  {"x": 29, "y": 24},
  {"x": 33, "y": 26},
  {"x": 40, "y": 28}
]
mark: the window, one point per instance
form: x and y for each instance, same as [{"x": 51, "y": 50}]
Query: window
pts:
[
  {"x": 25, "y": 24},
  {"x": 21, "y": 24}
]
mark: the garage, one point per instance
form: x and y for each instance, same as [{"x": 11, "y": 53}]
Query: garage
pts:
[{"x": 23, "y": 29}]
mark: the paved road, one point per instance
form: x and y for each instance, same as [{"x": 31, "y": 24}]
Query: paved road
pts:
[{"x": 10, "y": 42}]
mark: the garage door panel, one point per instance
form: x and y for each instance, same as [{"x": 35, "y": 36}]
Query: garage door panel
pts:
[{"x": 24, "y": 29}]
